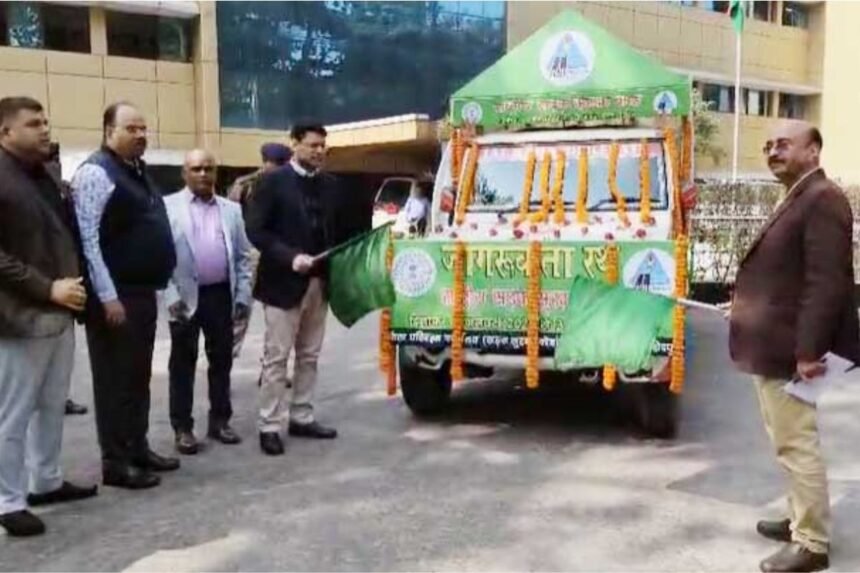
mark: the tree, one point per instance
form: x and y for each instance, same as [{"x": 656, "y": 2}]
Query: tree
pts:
[{"x": 707, "y": 128}]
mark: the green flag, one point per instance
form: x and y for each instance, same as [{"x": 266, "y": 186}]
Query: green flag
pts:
[
  {"x": 736, "y": 13},
  {"x": 359, "y": 281},
  {"x": 609, "y": 324}
]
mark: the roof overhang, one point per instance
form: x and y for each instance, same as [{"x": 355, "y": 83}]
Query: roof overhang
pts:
[{"x": 752, "y": 83}]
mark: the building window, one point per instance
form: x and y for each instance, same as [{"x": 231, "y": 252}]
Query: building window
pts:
[
  {"x": 45, "y": 26},
  {"x": 792, "y": 106},
  {"x": 763, "y": 10},
  {"x": 795, "y": 14},
  {"x": 148, "y": 37},
  {"x": 757, "y": 102},
  {"x": 721, "y": 98},
  {"x": 337, "y": 61}
]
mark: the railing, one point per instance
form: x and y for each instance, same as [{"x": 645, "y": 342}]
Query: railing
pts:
[{"x": 727, "y": 219}]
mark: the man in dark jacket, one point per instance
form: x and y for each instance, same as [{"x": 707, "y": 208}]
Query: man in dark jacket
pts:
[
  {"x": 129, "y": 250},
  {"x": 40, "y": 289},
  {"x": 292, "y": 218},
  {"x": 794, "y": 303}
]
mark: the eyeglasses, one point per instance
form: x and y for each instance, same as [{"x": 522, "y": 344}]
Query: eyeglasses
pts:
[
  {"x": 779, "y": 145},
  {"x": 202, "y": 169}
]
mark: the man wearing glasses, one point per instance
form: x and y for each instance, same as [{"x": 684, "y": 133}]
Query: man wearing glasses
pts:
[
  {"x": 794, "y": 303},
  {"x": 210, "y": 289}
]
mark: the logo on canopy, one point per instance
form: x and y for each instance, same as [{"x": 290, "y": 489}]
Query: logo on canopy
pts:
[
  {"x": 567, "y": 58},
  {"x": 665, "y": 103},
  {"x": 651, "y": 270},
  {"x": 472, "y": 113}
]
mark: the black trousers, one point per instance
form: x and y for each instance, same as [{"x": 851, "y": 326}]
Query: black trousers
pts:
[
  {"x": 214, "y": 317},
  {"x": 121, "y": 362}
]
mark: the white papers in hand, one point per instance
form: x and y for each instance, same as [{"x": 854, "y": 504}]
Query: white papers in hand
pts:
[{"x": 839, "y": 370}]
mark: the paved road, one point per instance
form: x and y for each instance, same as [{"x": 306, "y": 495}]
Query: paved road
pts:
[{"x": 507, "y": 480}]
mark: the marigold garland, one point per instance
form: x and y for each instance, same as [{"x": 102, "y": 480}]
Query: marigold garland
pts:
[
  {"x": 676, "y": 384},
  {"x": 645, "y": 184},
  {"x": 458, "y": 322},
  {"x": 582, "y": 188},
  {"x": 533, "y": 295},
  {"x": 677, "y": 216},
  {"x": 620, "y": 203},
  {"x": 386, "y": 347},
  {"x": 687, "y": 149},
  {"x": 528, "y": 184},
  {"x": 456, "y": 156},
  {"x": 467, "y": 186},
  {"x": 558, "y": 187},
  {"x": 545, "y": 168},
  {"x": 610, "y": 375}
]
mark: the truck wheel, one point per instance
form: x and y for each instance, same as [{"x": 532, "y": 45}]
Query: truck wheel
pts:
[
  {"x": 657, "y": 410},
  {"x": 425, "y": 391}
]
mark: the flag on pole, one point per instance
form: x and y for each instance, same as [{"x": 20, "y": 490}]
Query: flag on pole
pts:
[
  {"x": 611, "y": 324},
  {"x": 736, "y": 13},
  {"x": 358, "y": 280}
]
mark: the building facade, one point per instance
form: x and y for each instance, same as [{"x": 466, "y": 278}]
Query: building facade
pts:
[{"x": 232, "y": 75}]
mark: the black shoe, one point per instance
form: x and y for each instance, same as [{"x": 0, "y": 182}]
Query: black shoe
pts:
[
  {"x": 224, "y": 434},
  {"x": 312, "y": 430},
  {"x": 271, "y": 444},
  {"x": 22, "y": 524},
  {"x": 186, "y": 443},
  {"x": 156, "y": 463},
  {"x": 73, "y": 409},
  {"x": 794, "y": 557},
  {"x": 776, "y": 530},
  {"x": 129, "y": 477},
  {"x": 66, "y": 492}
]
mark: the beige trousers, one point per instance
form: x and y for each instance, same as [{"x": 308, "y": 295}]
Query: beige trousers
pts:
[
  {"x": 301, "y": 329},
  {"x": 793, "y": 429}
]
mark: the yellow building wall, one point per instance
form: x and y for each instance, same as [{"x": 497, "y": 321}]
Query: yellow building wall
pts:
[
  {"x": 840, "y": 99},
  {"x": 700, "y": 40},
  {"x": 75, "y": 89}
]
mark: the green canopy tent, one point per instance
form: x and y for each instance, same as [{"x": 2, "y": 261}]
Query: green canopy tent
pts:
[{"x": 568, "y": 72}]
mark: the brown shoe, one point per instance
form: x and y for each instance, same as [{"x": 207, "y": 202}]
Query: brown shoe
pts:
[
  {"x": 186, "y": 443},
  {"x": 794, "y": 557},
  {"x": 776, "y": 530},
  {"x": 224, "y": 434}
]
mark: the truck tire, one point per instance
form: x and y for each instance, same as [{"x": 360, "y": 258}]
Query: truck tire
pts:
[
  {"x": 425, "y": 391},
  {"x": 657, "y": 410}
]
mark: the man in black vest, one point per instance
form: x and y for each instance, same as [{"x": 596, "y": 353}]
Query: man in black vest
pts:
[{"x": 130, "y": 255}]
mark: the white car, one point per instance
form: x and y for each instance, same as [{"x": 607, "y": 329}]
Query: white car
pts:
[{"x": 391, "y": 198}]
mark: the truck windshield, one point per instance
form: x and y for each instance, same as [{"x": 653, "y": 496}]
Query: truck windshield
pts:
[{"x": 501, "y": 171}]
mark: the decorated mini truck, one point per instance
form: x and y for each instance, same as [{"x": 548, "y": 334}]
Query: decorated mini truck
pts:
[{"x": 567, "y": 157}]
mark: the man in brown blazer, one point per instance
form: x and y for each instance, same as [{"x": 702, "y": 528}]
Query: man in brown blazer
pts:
[{"x": 793, "y": 303}]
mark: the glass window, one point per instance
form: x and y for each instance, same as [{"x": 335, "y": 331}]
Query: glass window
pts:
[
  {"x": 757, "y": 102},
  {"x": 761, "y": 10},
  {"x": 792, "y": 106},
  {"x": 45, "y": 26},
  {"x": 4, "y": 28},
  {"x": 394, "y": 191},
  {"x": 341, "y": 61},
  {"x": 795, "y": 14},
  {"x": 148, "y": 37},
  {"x": 501, "y": 171},
  {"x": 721, "y": 98}
]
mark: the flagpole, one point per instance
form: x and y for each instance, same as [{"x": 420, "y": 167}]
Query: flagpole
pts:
[{"x": 738, "y": 102}]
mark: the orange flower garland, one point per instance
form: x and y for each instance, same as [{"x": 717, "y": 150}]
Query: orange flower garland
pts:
[
  {"x": 458, "y": 322},
  {"x": 558, "y": 187},
  {"x": 687, "y": 149},
  {"x": 456, "y": 156},
  {"x": 582, "y": 188},
  {"x": 533, "y": 295},
  {"x": 467, "y": 186},
  {"x": 528, "y": 183},
  {"x": 610, "y": 375},
  {"x": 677, "y": 216},
  {"x": 645, "y": 185},
  {"x": 545, "y": 167},
  {"x": 676, "y": 384},
  {"x": 621, "y": 204},
  {"x": 386, "y": 347}
]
